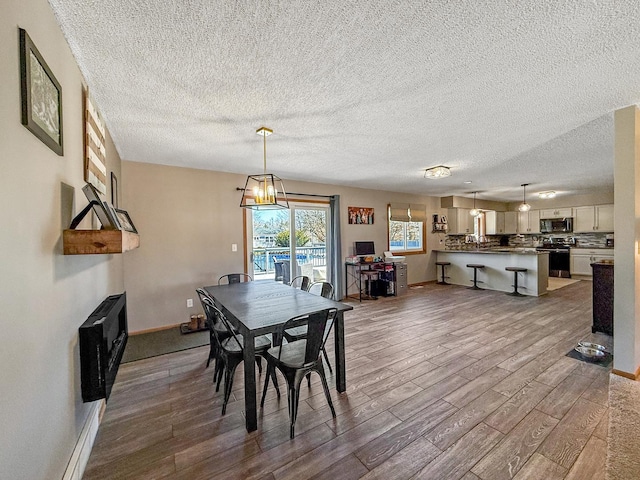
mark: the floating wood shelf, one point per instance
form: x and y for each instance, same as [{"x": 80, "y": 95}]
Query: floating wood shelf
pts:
[{"x": 88, "y": 242}]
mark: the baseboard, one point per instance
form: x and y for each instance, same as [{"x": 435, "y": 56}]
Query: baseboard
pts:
[
  {"x": 156, "y": 329},
  {"x": 632, "y": 376},
  {"x": 80, "y": 456}
]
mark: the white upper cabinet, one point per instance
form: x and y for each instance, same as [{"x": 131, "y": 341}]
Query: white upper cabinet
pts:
[
  {"x": 460, "y": 221},
  {"x": 510, "y": 222},
  {"x": 556, "y": 213},
  {"x": 494, "y": 222},
  {"x": 598, "y": 218},
  {"x": 529, "y": 222}
]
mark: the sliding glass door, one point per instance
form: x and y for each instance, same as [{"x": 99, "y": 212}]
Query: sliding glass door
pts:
[{"x": 283, "y": 244}]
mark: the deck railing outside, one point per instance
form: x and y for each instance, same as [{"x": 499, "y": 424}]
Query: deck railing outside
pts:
[{"x": 263, "y": 257}]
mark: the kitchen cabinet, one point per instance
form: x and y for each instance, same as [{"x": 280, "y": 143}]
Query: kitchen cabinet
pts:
[
  {"x": 593, "y": 218},
  {"x": 529, "y": 222},
  {"x": 582, "y": 258},
  {"x": 460, "y": 221},
  {"x": 510, "y": 222},
  {"x": 556, "y": 212},
  {"x": 494, "y": 222}
]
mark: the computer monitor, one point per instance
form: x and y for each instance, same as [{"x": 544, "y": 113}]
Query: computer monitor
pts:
[{"x": 365, "y": 248}]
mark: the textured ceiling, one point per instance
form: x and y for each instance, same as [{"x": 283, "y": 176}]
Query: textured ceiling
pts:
[{"x": 367, "y": 93}]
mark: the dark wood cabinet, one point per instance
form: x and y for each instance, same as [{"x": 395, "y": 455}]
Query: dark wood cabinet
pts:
[{"x": 602, "y": 297}]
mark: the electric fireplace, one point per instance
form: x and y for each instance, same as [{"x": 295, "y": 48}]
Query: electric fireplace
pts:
[{"x": 103, "y": 337}]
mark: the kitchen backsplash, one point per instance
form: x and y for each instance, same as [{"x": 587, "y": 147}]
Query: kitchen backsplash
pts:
[{"x": 582, "y": 240}]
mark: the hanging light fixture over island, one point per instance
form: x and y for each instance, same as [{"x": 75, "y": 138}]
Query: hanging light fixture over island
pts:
[{"x": 524, "y": 206}]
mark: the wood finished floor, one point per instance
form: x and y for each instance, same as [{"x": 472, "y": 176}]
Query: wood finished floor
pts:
[{"x": 443, "y": 383}]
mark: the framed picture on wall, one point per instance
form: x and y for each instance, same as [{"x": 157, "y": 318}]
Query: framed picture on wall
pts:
[
  {"x": 360, "y": 215},
  {"x": 41, "y": 96}
]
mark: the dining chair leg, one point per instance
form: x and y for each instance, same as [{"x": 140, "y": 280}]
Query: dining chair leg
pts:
[
  {"x": 326, "y": 358},
  {"x": 259, "y": 363},
  {"x": 293, "y": 397},
  {"x": 228, "y": 384},
  {"x": 274, "y": 379},
  {"x": 270, "y": 372},
  {"x": 325, "y": 387}
]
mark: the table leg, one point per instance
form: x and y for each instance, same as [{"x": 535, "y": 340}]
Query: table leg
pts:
[
  {"x": 338, "y": 333},
  {"x": 250, "y": 405}
]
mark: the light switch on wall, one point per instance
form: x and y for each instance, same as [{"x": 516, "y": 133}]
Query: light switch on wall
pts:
[
  {"x": 234, "y": 247},
  {"x": 189, "y": 302}
]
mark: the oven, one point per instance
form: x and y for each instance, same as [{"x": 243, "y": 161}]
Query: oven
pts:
[{"x": 559, "y": 259}]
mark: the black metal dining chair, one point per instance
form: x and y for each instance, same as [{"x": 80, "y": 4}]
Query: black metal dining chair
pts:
[
  {"x": 301, "y": 282},
  {"x": 324, "y": 289},
  {"x": 231, "y": 352},
  {"x": 213, "y": 343},
  {"x": 235, "y": 278},
  {"x": 297, "y": 359}
]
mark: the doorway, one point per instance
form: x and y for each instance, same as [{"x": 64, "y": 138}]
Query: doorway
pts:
[{"x": 282, "y": 244}]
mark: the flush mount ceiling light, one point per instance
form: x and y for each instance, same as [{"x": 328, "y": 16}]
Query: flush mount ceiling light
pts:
[
  {"x": 265, "y": 191},
  {"x": 437, "y": 172},
  {"x": 549, "y": 194},
  {"x": 474, "y": 211},
  {"x": 524, "y": 206}
]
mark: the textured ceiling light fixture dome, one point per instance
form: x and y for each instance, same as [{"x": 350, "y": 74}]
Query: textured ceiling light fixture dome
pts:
[
  {"x": 437, "y": 172},
  {"x": 549, "y": 194},
  {"x": 524, "y": 206},
  {"x": 474, "y": 211},
  {"x": 265, "y": 191}
]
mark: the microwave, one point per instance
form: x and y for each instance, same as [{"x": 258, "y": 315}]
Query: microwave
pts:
[{"x": 556, "y": 225}]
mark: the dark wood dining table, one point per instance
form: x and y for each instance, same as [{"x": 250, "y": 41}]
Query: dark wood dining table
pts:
[{"x": 259, "y": 308}]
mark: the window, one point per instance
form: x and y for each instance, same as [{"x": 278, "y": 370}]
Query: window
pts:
[{"x": 406, "y": 228}]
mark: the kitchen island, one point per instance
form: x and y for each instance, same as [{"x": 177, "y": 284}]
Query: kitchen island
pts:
[{"x": 494, "y": 276}]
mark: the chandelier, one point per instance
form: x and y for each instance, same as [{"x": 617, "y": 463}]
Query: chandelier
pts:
[{"x": 264, "y": 191}]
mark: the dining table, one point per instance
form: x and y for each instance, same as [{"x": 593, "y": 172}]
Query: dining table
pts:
[{"x": 262, "y": 307}]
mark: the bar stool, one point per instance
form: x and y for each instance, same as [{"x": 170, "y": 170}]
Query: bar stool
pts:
[
  {"x": 442, "y": 265},
  {"x": 515, "y": 271},
  {"x": 475, "y": 267}
]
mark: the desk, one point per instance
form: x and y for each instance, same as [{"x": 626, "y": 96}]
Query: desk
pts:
[
  {"x": 258, "y": 308},
  {"x": 356, "y": 270}
]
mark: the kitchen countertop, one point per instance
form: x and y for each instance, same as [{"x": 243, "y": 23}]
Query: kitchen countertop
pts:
[{"x": 500, "y": 251}]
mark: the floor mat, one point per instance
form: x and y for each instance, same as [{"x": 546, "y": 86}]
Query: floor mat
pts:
[{"x": 152, "y": 344}]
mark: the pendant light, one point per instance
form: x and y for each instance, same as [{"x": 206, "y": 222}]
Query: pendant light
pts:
[
  {"x": 474, "y": 211},
  {"x": 265, "y": 191},
  {"x": 524, "y": 206}
]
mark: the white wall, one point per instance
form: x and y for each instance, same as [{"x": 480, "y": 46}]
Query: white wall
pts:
[
  {"x": 626, "y": 302},
  {"x": 44, "y": 295},
  {"x": 189, "y": 218}
]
